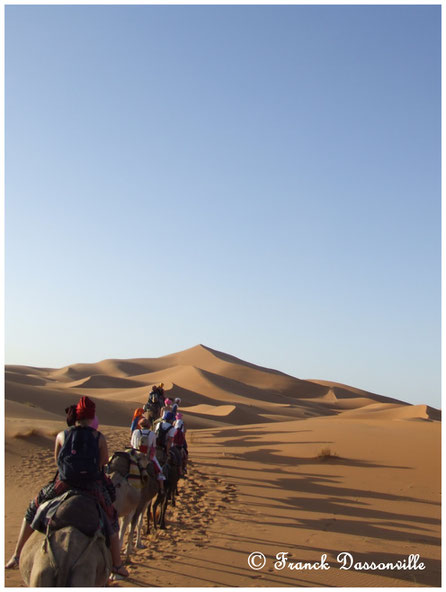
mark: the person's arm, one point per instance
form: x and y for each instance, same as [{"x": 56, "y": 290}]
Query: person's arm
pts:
[
  {"x": 136, "y": 439},
  {"x": 103, "y": 451},
  {"x": 58, "y": 445}
]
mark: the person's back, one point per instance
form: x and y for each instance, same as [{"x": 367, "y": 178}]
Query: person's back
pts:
[
  {"x": 165, "y": 439},
  {"x": 143, "y": 439},
  {"x": 179, "y": 441},
  {"x": 78, "y": 459},
  {"x": 164, "y": 431}
]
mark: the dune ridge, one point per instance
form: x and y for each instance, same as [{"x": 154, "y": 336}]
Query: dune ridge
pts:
[{"x": 200, "y": 376}]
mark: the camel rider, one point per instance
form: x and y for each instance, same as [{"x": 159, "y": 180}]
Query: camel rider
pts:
[
  {"x": 165, "y": 432},
  {"x": 167, "y": 406},
  {"x": 82, "y": 472},
  {"x": 144, "y": 440},
  {"x": 176, "y": 404},
  {"x": 179, "y": 440},
  {"x": 155, "y": 400},
  {"x": 137, "y": 415}
]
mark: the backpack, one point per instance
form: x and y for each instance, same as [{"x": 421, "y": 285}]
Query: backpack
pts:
[
  {"x": 162, "y": 435},
  {"x": 78, "y": 460},
  {"x": 144, "y": 441}
]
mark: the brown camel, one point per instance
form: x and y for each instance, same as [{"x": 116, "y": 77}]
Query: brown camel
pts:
[
  {"x": 65, "y": 558},
  {"x": 170, "y": 488},
  {"x": 73, "y": 551}
]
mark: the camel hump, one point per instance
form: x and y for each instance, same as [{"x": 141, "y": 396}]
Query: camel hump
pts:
[{"x": 79, "y": 511}]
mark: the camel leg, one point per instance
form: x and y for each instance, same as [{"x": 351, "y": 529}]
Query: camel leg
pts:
[
  {"x": 139, "y": 544},
  {"x": 163, "y": 512},
  {"x": 129, "y": 549},
  {"x": 136, "y": 522},
  {"x": 149, "y": 509},
  {"x": 124, "y": 522},
  {"x": 157, "y": 501}
]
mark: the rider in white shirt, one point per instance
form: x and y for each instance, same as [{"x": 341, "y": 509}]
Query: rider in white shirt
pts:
[{"x": 144, "y": 440}]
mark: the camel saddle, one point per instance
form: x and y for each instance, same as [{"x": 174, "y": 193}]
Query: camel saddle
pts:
[
  {"x": 127, "y": 464},
  {"x": 72, "y": 508}
]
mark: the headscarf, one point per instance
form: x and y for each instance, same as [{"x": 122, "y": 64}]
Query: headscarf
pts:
[
  {"x": 138, "y": 412},
  {"x": 167, "y": 402},
  {"x": 85, "y": 409}
]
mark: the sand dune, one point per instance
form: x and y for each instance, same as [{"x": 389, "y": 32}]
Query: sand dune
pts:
[
  {"x": 343, "y": 391},
  {"x": 393, "y": 411},
  {"x": 102, "y": 381},
  {"x": 25, "y": 378},
  {"x": 218, "y": 410},
  {"x": 201, "y": 376},
  {"x": 279, "y": 464}
]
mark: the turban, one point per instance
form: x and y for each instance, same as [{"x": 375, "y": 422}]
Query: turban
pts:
[{"x": 85, "y": 409}]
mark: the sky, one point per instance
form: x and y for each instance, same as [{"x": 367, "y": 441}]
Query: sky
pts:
[{"x": 264, "y": 180}]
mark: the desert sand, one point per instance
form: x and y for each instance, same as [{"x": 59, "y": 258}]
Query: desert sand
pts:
[{"x": 278, "y": 465}]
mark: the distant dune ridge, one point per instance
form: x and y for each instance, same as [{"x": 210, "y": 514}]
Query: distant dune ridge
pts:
[{"x": 219, "y": 389}]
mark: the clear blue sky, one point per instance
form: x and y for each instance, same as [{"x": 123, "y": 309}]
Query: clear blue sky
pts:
[{"x": 264, "y": 180}]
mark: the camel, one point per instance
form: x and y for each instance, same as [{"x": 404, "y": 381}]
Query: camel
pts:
[
  {"x": 66, "y": 557},
  {"x": 131, "y": 500},
  {"x": 170, "y": 488}
]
